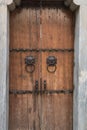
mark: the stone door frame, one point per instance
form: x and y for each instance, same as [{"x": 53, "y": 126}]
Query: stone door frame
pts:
[{"x": 80, "y": 62}]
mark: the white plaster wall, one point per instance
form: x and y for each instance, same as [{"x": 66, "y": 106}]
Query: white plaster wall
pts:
[
  {"x": 4, "y": 75},
  {"x": 7, "y": 2}
]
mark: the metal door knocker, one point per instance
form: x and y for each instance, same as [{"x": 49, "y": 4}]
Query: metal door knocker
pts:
[
  {"x": 30, "y": 64},
  {"x": 51, "y": 62}
]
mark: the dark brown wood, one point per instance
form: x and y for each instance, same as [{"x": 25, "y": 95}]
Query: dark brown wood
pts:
[
  {"x": 19, "y": 78},
  {"x": 25, "y": 28},
  {"x": 56, "y": 111},
  {"x": 24, "y": 110},
  {"x": 45, "y": 3},
  {"x": 57, "y": 28},
  {"x": 41, "y": 28},
  {"x": 63, "y": 76}
]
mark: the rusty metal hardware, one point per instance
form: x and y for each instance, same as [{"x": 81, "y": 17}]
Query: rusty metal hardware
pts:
[
  {"x": 30, "y": 60},
  {"x": 40, "y": 86},
  {"x": 51, "y": 62},
  {"x": 45, "y": 85},
  {"x": 15, "y": 92},
  {"x": 30, "y": 64},
  {"x": 36, "y": 85},
  {"x": 40, "y": 50}
]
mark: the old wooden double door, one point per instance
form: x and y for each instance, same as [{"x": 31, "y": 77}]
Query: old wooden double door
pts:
[{"x": 41, "y": 100}]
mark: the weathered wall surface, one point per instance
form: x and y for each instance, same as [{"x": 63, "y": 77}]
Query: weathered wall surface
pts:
[
  {"x": 4, "y": 41},
  {"x": 80, "y": 70}
]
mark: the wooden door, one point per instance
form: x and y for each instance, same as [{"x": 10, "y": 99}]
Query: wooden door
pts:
[{"x": 47, "y": 105}]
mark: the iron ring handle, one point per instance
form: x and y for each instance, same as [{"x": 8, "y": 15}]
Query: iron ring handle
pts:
[
  {"x": 52, "y": 70},
  {"x": 31, "y": 70}
]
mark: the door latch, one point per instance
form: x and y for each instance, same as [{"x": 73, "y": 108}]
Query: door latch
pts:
[
  {"x": 45, "y": 85},
  {"x": 36, "y": 86},
  {"x": 30, "y": 64},
  {"x": 51, "y": 62}
]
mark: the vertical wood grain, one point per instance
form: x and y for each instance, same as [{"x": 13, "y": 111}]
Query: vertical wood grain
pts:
[
  {"x": 24, "y": 33},
  {"x": 57, "y": 32},
  {"x": 41, "y": 28}
]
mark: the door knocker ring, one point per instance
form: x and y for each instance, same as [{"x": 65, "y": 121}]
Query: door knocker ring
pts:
[
  {"x": 30, "y": 64},
  {"x": 28, "y": 69},
  {"x": 51, "y": 71},
  {"x": 51, "y": 62}
]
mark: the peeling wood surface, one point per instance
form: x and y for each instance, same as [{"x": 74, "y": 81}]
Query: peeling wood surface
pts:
[{"x": 37, "y": 28}]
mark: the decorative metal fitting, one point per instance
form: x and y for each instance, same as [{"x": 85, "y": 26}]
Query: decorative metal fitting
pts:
[
  {"x": 51, "y": 62},
  {"x": 30, "y": 62}
]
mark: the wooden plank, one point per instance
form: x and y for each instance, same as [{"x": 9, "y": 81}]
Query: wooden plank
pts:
[
  {"x": 25, "y": 28},
  {"x": 24, "y": 109},
  {"x": 57, "y": 32},
  {"x": 56, "y": 111},
  {"x": 57, "y": 28},
  {"x": 24, "y": 34},
  {"x": 24, "y": 112},
  {"x": 20, "y": 79},
  {"x": 62, "y": 78}
]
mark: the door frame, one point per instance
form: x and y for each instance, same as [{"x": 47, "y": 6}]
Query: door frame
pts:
[{"x": 80, "y": 62}]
